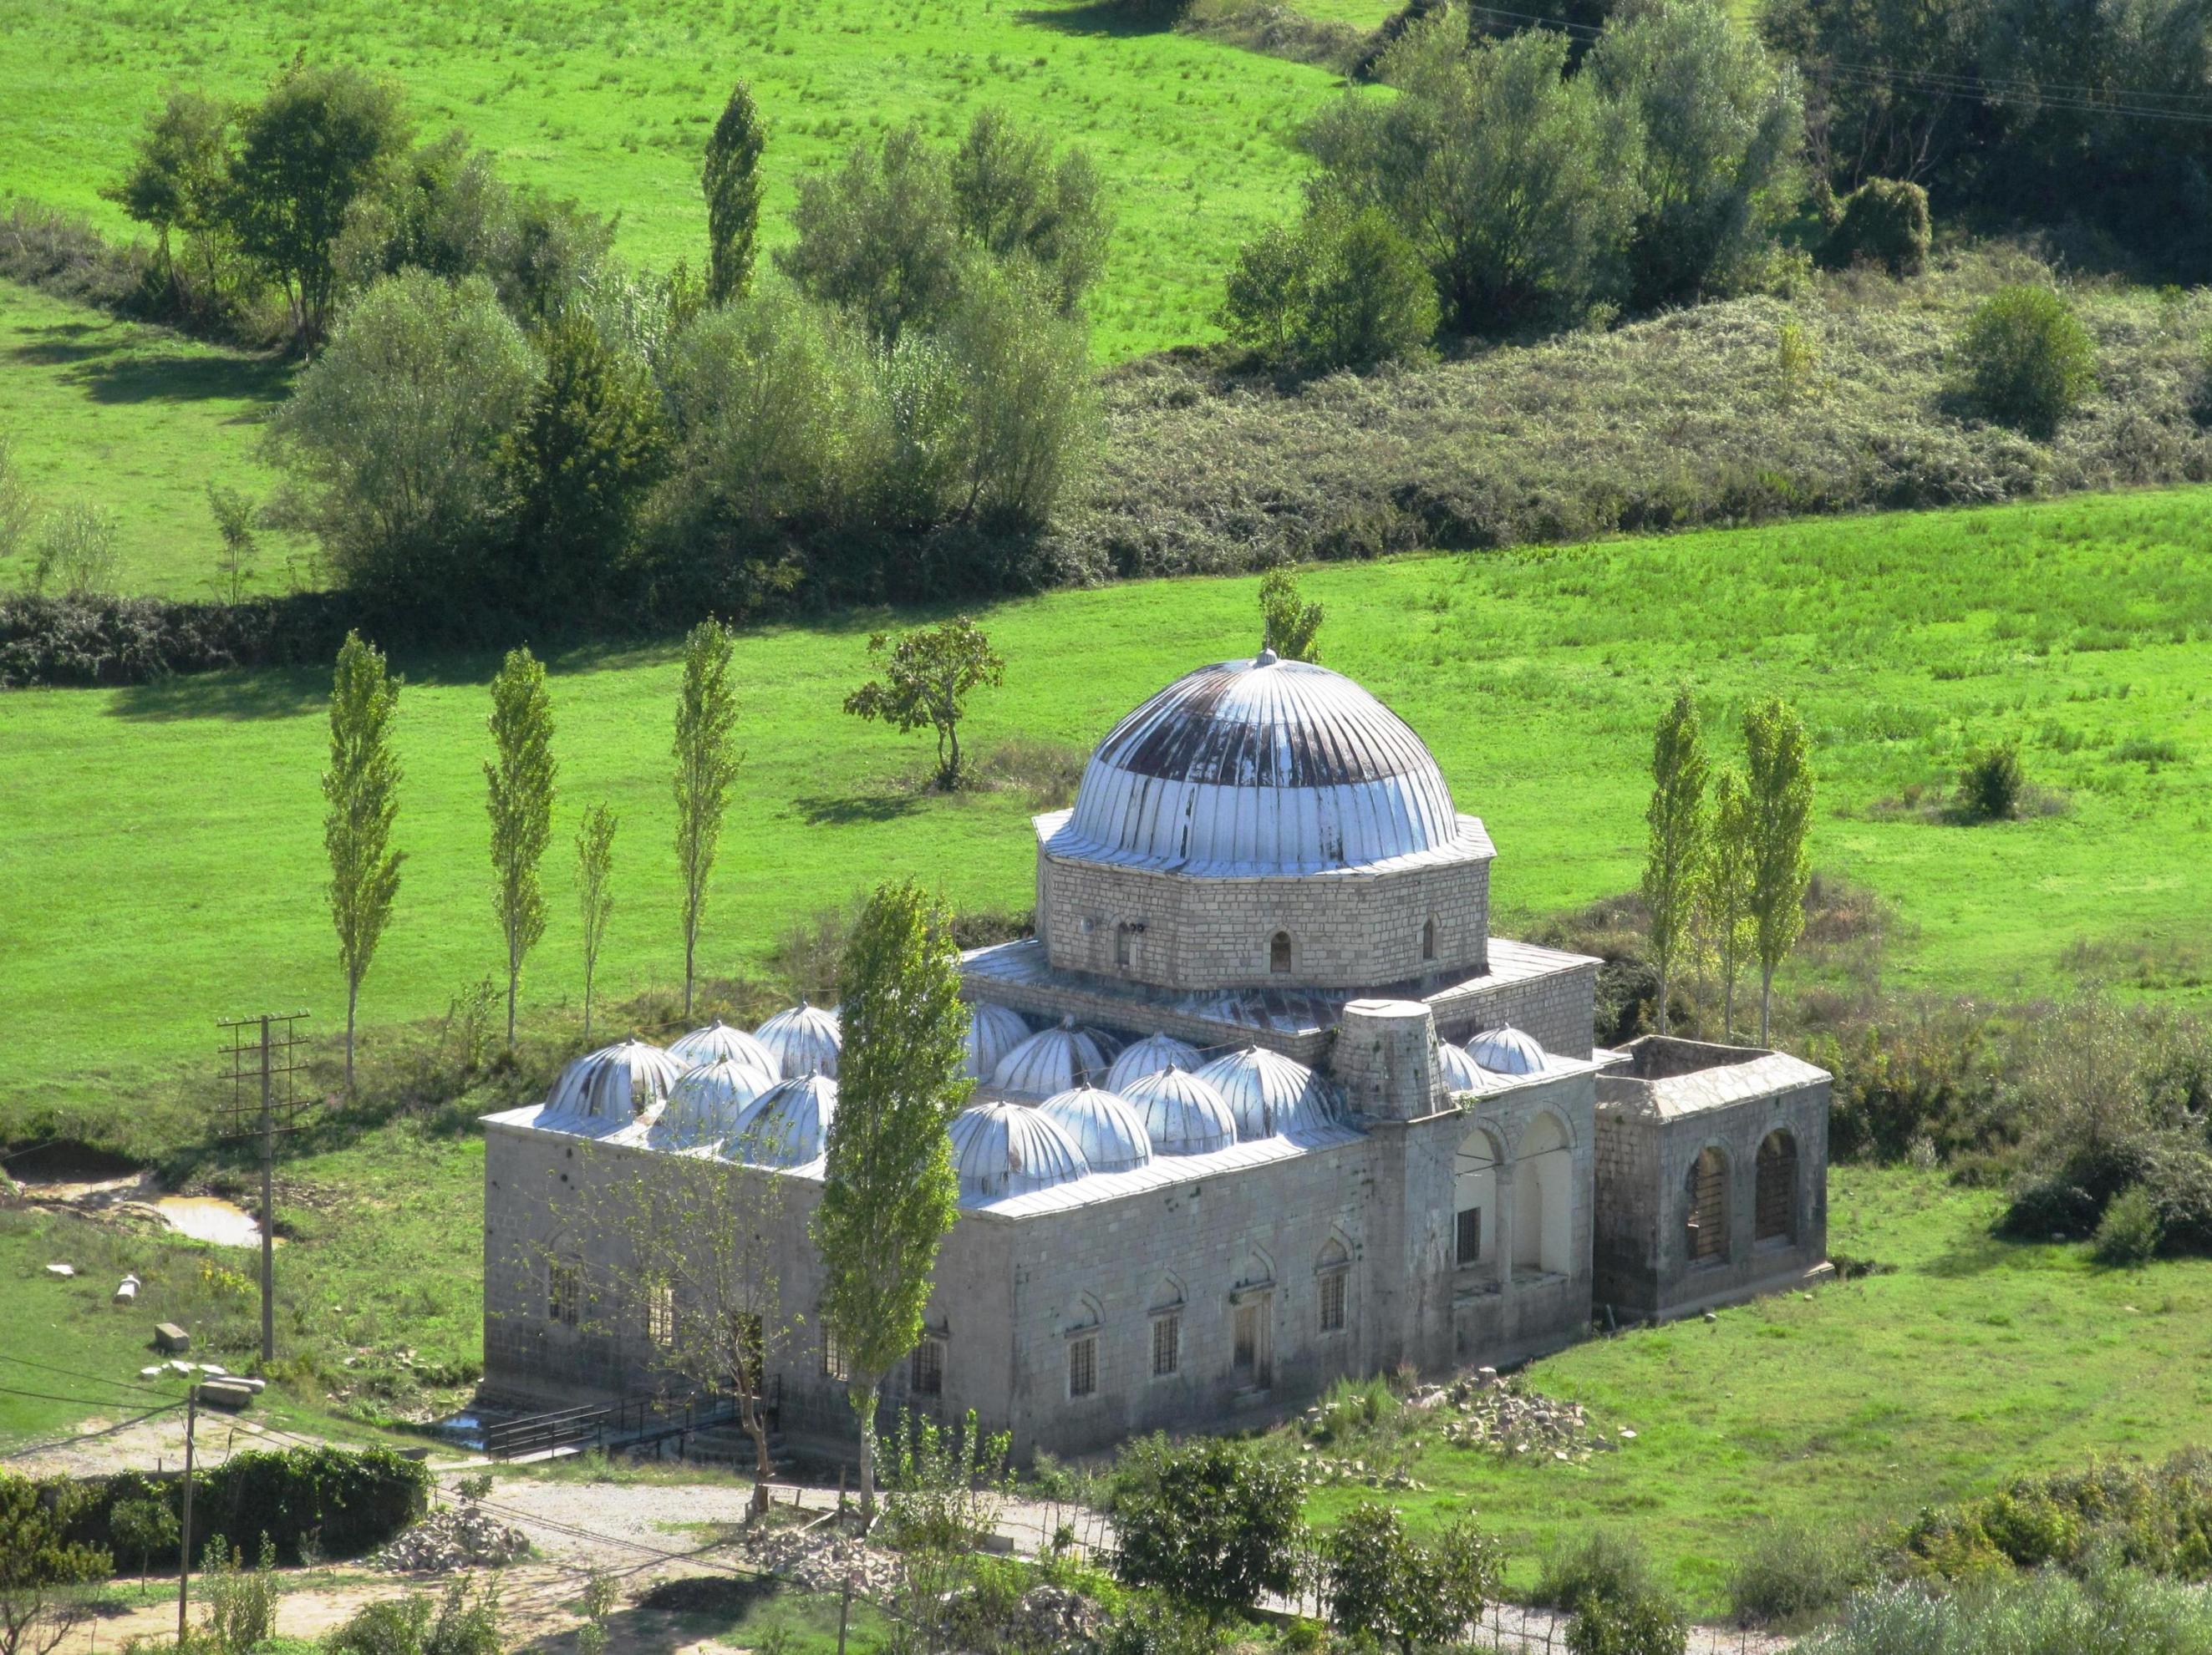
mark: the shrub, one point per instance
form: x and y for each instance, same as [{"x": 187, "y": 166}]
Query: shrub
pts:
[
  {"x": 343, "y": 1503},
  {"x": 1345, "y": 288},
  {"x": 464, "y": 1622},
  {"x": 1884, "y": 222},
  {"x": 2130, "y": 1233},
  {"x": 1645, "y": 1624},
  {"x": 1792, "y": 1572},
  {"x": 2027, "y": 361},
  {"x": 241, "y": 1602},
  {"x": 1209, "y": 1522},
  {"x": 1603, "y": 1564},
  {"x": 2117, "y": 1612},
  {"x": 1384, "y": 1583},
  {"x": 1151, "y": 1626},
  {"x": 73, "y": 551},
  {"x": 1991, "y": 785}
]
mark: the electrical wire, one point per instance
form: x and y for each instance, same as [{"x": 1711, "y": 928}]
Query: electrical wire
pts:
[
  {"x": 89, "y": 1379},
  {"x": 91, "y": 1436}
]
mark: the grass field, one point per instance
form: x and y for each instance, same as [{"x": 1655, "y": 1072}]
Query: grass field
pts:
[{"x": 610, "y": 104}]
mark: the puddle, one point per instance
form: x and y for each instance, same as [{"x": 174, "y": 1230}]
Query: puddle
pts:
[{"x": 202, "y": 1217}]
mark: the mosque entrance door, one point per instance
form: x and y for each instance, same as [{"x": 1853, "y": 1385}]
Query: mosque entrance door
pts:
[{"x": 1253, "y": 1354}]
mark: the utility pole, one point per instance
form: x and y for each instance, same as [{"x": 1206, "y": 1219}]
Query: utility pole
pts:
[
  {"x": 185, "y": 1555},
  {"x": 272, "y": 1057}
]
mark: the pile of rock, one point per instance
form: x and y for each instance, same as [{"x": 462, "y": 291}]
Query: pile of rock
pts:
[
  {"x": 1051, "y": 1618},
  {"x": 821, "y": 1558},
  {"x": 457, "y": 1538},
  {"x": 1486, "y": 1412}
]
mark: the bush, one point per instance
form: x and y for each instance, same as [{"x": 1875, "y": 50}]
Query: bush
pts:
[
  {"x": 132, "y": 640},
  {"x": 1152, "y": 1626},
  {"x": 73, "y": 551},
  {"x": 1603, "y": 1564},
  {"x": 1646, "y": 1624},
  {"x": 1990, "y": 785},
  {"x": 1345, "y": 289},
  {"x": 2117, "y": 1612},
  {"x": 1792, "y": 1572},
  {"x": 2027, "y": 361},
  {"x": 1209, "y": 1522},
  {"x": 2130, "y": 1233},
  {"x": 1384, "y": 1584},
  {"x": 464, "y": 1623},
  {"x": 1884, "y": 222}
]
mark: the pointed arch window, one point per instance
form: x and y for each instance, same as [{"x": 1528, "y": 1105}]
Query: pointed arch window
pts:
[
  {"x": 1428, "y": 939},
  {"x": 1278, "y": 953}
]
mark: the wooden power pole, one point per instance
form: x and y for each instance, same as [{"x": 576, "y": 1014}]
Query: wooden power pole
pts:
[
  {"x": 271, "y": 1057},
  {"x": 185, "y": 1555}
]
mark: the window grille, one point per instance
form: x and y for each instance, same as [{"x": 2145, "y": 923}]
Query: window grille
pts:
[
  {"x": 833, "y": 1356},
  {"x": 660, "y": 1314},
  {"x": 1167, "y": 1345},
  {"x": 1776, "y": 1200},
  {"x": 1083, "y": 1367},
  {"x": 1470, "y": 1235},
  {"x": 928, "y": 1372},
  {"x": 564, "y": 1291},
  {"x": 1332, "y": 1300}
]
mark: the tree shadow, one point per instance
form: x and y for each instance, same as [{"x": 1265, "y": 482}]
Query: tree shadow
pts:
[
  {"x": 1978, "y": 1257},
  {"x": 856, "y": 809},
  {"x": 1111, "y": 19},
  {"x": 265, "y": 693},
  {"x": 187, "y": 379}
]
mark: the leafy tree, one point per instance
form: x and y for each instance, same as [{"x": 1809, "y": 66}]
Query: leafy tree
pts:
[
  {"x": 1884, "y": 222},
  {"x": 144, "y": 1526},
  {"x": 730, "y": 178},
  {"x": 889, "y": 1194},
  {"x": 2027, "y": 359},
  {"x": 1345, "y": 289},
  {"x": 1263, "y": 305},
  {"x": 1209, "y": 1522},
  {"x": 1877, "y": 73},
  {"x": 1675, "y": 863},
  {"x": 928, "y": 674},
  {"x": 595, "y": 867},
  {"x": 361, "y": 792},
  {"x": 706, "y": 765},
  {"x": 40, "y": 1569},
  {"x": 1779, "y": 773},
  {"x": 1384, "y": 1583},
  {"x": 179, "y": 182},
  {"x": 74, "y": 550},
  {"x": 319, "y": 140},
  {"x": 1027, "y": 402},
  {"x": 1727, "y": 890},
  {"x": 1289, "y": 625},
  {"x": 1017, "y": 204},
  {"x": 1991, "y": 785},
  {"x": 441, "y": 209},
  {"x": 519, "y": 777},
  {"x": 233, "y": 523},
  {"x": 1645, "y": 1624},
  {"x": 881, "y": 237},
  {"x": 395, "y": 440}
]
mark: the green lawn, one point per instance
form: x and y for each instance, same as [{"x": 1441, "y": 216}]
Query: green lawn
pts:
[
  {"x": 610, "y": 104},
  {"x": 161, "y": 847}
]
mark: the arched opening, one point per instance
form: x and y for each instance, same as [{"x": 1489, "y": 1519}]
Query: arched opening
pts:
[
  {"x": 1428, "y": 939},
  {"x": 1278, "y": 953},
  {"x": 1543, "y": 1204},
  {"x": 1707, "y": 1224},
  {"x": 1252, "y": 1325},
  {"x": 1474, "y": 1203},
  {"x": 1332, "y": 1287},
  {"x": 1775, "y": 1207},
  {"x": 1166, "y": 1315}
]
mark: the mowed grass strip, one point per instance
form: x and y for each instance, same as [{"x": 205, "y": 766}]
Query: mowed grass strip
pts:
[{"x": 160, "y": 849}]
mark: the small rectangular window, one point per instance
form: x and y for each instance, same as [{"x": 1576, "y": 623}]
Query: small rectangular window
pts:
[
  {"x": 564, "y": 1292},
  {"x": 1083, "y": 1366},
  {"x": 660, "y": 1314},
  {"x": 1121, "y": 946},
  {"x": 1470, "y": 1235},
  {"x": 833, "y": 1356},
  {"x": 1331, "y": 1302},
  {"x": 929, "y": 1374},
  {"x": 1167, "y": 1344}
]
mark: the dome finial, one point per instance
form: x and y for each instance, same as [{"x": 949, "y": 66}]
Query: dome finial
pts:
[{"x": 1267, "y": 657}]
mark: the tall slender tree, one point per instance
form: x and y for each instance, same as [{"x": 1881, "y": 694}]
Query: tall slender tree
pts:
[
  {"x": 889, "y": 1193},
  {"x": 1727, "y": 888},
  {"x": 706, "y": 765},
  {"x": 519, "y": 776},
  {"x": 1675, "y": 861},
  {"x": 731, "y": 177},
  {"x": 361, "y": 791},
  {"x": 1779, "y": 773},
  {"x": 595, "y": 896}
]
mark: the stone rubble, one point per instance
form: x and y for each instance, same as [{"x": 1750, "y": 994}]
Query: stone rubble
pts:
[
  {"x": 456, "y": 1538},
  {"x": 821, "y": 1558},
  {"x": 1479, "y": 1411}
]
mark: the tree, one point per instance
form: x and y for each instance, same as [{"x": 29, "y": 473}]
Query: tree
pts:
[
  {"x": 706, "y": 765},
  {"x": 1778, "y": 773},
  {"x": 927, "y": 678},
  {"x": 1263, "y": 302},
  {"x": 881, "y": 237},
  {"x": 1675, "y": 863},
  {"x": 361, "y": 792},
  {"x": 1346, "y": 289},
  {"x": 74, "y": 550},
  {"x": 595, "y": 897},
  {"x": 233, "y": 523},
  {"x": 2026, "y": 358},
  {"x": 1209, "y": 1522},
  {"x": 144, "y": 1526},
  {"x": 1026, "y": 398},
  {"x": 1289, "y": 625},
  {"x": 888, "y": 1191},
  {"x": 730, "y": 178},
  {"x": 1727, "y": 890},
  {"x": 178, "y": 182},
  {"x": 519, "y": 777},
  {"x": 1017, "y": 204},
  {"x": 40, "y": 1569},
  {"x": 1385, "y": 1584},
  {"x": 319, "y": 140}
]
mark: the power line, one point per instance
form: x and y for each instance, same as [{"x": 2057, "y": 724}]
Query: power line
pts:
[
  {"x": 90, "y": 1379},
  {"x": 90, "y": 1436}
]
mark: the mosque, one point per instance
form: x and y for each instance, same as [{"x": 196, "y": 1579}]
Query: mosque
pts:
[{"x": 1261, "y": 1104}]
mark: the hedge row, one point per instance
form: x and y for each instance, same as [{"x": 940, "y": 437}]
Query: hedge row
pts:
[{"x": 98, "y": 641}]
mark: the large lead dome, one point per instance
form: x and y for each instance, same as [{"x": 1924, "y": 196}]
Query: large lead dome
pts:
[{"x": 1259, "y": 766}]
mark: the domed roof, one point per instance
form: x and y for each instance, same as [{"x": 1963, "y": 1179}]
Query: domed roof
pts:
[
  {"x": 705, "y": 1103},
  {"x": 1104, "y": 1127},
  {"x": 1267, "y": 1093},
  {"x": 1183, "y": 1114},
  {"x": 1263, "y": 766},
  {"x": 1461, "y": 1072},
  {"x": 787, "y": 1125},
  {"x": 1057, "y": 1060},
  {"x": 1148, "y": 1057},
  {"x": 614, "y": 1084},
  {"x": 1507, "y": 1052},
  {"x": 720, "y": 1043},
  {"x": 992, "y": 1032},
  {"x": 1011, "y": 1148},
  {"x": 805, "y": 1040}
]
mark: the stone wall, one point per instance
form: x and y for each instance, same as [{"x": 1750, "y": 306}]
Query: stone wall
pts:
[{"x": 1556, "y": 1004}]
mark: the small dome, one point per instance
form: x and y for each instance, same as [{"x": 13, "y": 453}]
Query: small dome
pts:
[
  {"x": 1268, "y": 1094},
  {"x": 1461, "y": 1071},
  {"x": 804, "y": 1040},
  {"x": 1058, "y": 1060},
  {"x": 992, "y": 1032},
  {"x": 787, "y": 1125},
  {"x": 1011, "y": 1148},
  {"x": 1507, "y": 1052},
  {"x": 1105, "y": 1128},
  {"x": 720, "y": 1043},
  {"x": 615, "y": 1084},
  {"x": 1183, "y": 1115},
  {"x": 705, "y": 1103},
  {"x": 1148, "y": 1057}
]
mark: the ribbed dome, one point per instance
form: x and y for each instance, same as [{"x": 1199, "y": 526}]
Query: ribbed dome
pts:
[
  {"x": 1183, "y": 1114},
  {"x": 1507, "y": 1052},
  {"x": 787, "y": 1125},
  {"x": 616, "y": 1083},
  {"x": 805, "y": 1040},
  {"x": 1011, "y": 1148},
  {"x": 705, "y": 1103},
  {"x": 1461, "y": 1072},
  {"x": 1259, "y": 766},
  {"x": 992, "y": 1032},
  {"x": 1105, "y": 1128},
  {"x": 1267, "y": 1093},
  {"x": 1057, "y": 1060},
  {"x": 720, "y": 1043},
  {"x": 1148, "y": 1057}
]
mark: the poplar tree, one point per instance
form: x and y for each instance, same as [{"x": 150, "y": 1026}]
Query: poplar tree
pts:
[
  {"x": 1289, "y": 625},
  {"x": 1728, "y": 887},
  {"x": 889, "y": 1193},
  {"x": 519, "y": 776},
  {"x": 730, "y": 178},
  {"x": 1779, "y": 773},
  {"x": 706, "y": 765},
  {"x": 362, "y": 793},
  {"x": 1673, "y": 863},
  {"x": 595, "y": 897}
]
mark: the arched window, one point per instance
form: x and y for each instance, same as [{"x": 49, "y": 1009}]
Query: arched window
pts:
[
  {"x": 1474, "y": 1201},
  {"x": 1278, "y": 953},
  {"x": 1707, "y": 1225},
  {"x": 1166, "y": 1315},
  {"x": 1332, "y": 1286},
  {"x": 1428, "y": 939},
  {"x": 1543, "y": 1200},
  {"x": 1775, "y": 1209}
]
